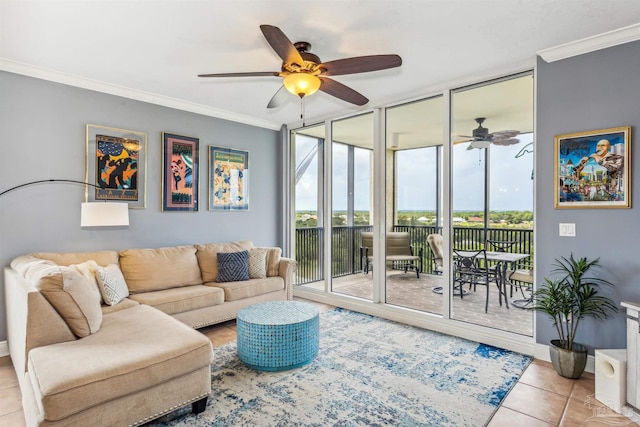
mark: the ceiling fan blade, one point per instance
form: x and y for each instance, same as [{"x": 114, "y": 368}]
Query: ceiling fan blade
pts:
[
  {"x": 341, "y": 91},
  {"x": 282, "y": 45},
  {"x": 279, "y": 98},
  {"x": 504, "y": 134},
  {"x": 360, "y": 64},
  {"x": 249, "y": 74},
  {"x": 509, "y": 141}
]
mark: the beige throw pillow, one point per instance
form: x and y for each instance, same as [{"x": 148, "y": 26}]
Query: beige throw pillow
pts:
[
  {"x": 88, "y": 271},
  {"x": 258, "y": 263},
  {"x": 73, "y": 297},
  {"x": 273, "y": 261},
  {"x": 70, "y": 293},
  {"x": 112, "y": 284}
]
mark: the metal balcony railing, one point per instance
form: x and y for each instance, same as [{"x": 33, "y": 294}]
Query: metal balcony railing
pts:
[{"x": 346, "y": 243}]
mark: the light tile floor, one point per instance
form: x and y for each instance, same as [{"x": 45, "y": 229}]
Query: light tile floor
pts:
[{"x": 540, "y": 398}]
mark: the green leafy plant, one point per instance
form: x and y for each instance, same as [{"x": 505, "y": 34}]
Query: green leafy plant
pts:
[{"x": 572, "y": 297}]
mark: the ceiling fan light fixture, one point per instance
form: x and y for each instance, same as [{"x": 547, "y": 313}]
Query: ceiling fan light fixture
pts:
[
  {"x": 480, "y": 144},
  {"x": 302, "y": 84}
]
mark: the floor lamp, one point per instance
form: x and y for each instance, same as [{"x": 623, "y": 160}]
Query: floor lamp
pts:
[{"x": 92, "y": 214}]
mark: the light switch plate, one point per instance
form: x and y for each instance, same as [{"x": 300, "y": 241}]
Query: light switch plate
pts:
[{"x": 567, "y": 229}]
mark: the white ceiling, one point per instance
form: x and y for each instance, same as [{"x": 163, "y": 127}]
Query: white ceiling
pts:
[{"x": 153, "y": 50}]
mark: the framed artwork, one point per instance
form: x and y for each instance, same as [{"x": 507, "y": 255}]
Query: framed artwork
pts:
[
  {"x": 116, "y": 162},
  {"x": 180, "y": 172},
  {"x": 592, "y": 169},
  {"x": 228, "y": 179}
]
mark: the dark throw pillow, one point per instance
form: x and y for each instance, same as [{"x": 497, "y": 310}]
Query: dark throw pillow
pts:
[{"x": 233, "y": 266}]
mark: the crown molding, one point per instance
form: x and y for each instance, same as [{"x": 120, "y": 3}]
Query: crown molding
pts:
[
  {"x": 125, "y": 92},
  {"x": 591, "y": 44}
]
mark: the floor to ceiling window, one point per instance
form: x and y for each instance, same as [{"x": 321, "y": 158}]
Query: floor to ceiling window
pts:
[
  {"x": 383, "y": 175},
  {"x": 352, "y": 213},
  {"x": 308, "y": 168},
  {"x": 492, "y": 195},
  {"x": 414, "y": 140}
]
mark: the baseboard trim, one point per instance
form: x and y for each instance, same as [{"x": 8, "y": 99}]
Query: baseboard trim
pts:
[{"x": 4, "y": 349}]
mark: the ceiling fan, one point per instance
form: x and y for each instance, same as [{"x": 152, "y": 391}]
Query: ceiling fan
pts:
[
  {"x": 304, "y": 73},
  {"x": 481, "y": 138}
]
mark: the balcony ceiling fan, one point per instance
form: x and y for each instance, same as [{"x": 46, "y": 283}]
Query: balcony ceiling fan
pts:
[
  {"x": 304, "y": 73},
  {"x": 481, "y": 138}
]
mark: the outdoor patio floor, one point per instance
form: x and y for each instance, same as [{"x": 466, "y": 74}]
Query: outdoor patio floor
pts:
[{"x": 405, "y": 290}]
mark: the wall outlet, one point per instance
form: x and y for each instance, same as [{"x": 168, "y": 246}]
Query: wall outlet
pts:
[{"x": 567, "y": 229}]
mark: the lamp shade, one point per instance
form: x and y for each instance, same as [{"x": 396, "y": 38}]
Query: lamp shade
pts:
[
  {"x": 302, "y": 84},
  {"x": 104, "y": 214}
]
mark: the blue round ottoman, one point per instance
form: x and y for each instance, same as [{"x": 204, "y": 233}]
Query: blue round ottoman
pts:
[{"x": 278, "y": 335}]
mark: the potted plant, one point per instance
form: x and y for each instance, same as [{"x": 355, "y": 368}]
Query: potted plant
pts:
[{"x": 567, "y": 300}]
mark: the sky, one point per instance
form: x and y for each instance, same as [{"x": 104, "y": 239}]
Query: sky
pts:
[{"x": 511, "y": 183}]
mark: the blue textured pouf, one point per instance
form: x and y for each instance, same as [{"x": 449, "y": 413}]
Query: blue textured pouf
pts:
[{"x": 278, "y": 335}]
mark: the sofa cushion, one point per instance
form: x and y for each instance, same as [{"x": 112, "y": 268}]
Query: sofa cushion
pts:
[
  {"x": 122, "y": 305},
  {"x": 233, "y": 266},
  {"x": 72, "y": 295},
  {"x": 179, "y": 300},
  {"x": 258, "y": 263},
  {"x": 67, "y": 258},
  {"x": 208, "y": 256},
  {"x": 111, "y": 283},
  {"x": 249, "y": 288},
  {"x": 147, "y": 270},
  {"x": 136, "y": 349}
]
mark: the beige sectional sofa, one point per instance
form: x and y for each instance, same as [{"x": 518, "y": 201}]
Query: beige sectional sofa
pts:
[{"x": 86, "y": 353}]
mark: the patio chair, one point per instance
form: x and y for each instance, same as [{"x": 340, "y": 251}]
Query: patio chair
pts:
[
  {"x": 435, "y": 243},
  {"x": 399, "y": 250},
  {"x": 521, "y": 277},
  {"x": 471, "y": 268},
  {"x": 499, "y": 245}
]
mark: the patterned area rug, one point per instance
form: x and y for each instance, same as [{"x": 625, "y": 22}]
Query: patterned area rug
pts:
[{"x": 368, "y": 372}]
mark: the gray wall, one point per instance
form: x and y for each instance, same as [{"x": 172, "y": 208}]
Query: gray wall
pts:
[
  {"x": 588, "y": 92},
  {"x": 42, "y": 132}
]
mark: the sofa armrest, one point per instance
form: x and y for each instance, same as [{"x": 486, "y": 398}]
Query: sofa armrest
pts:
[
  {"x": 287, "y": 270},
  {"x": 31, "y": 321}
]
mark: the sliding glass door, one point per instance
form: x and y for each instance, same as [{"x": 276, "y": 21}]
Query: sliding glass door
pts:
[
  {"x": 383, "y": 198},
  {"x": 307, "y": 148},
  {"x": 492, "y": 194},
  {"x": 351, "y": 204},
  {"x": 414, "y": 141}
]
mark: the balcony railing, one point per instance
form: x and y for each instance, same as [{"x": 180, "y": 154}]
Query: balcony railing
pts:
[{"x": 346, "y": 242}]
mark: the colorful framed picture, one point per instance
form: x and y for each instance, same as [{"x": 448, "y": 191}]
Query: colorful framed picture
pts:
[
  {"x": 116, "y": 162},
  {"x": 180, "y": 172},
  {"x": 228, "y": 179},
  {"x": 592, "y": 169}
]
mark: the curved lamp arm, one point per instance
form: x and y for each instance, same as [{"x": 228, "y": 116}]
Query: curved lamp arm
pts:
[
  {"x": 93, "y": 214},
  {"x": 73, "y": 181}
]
